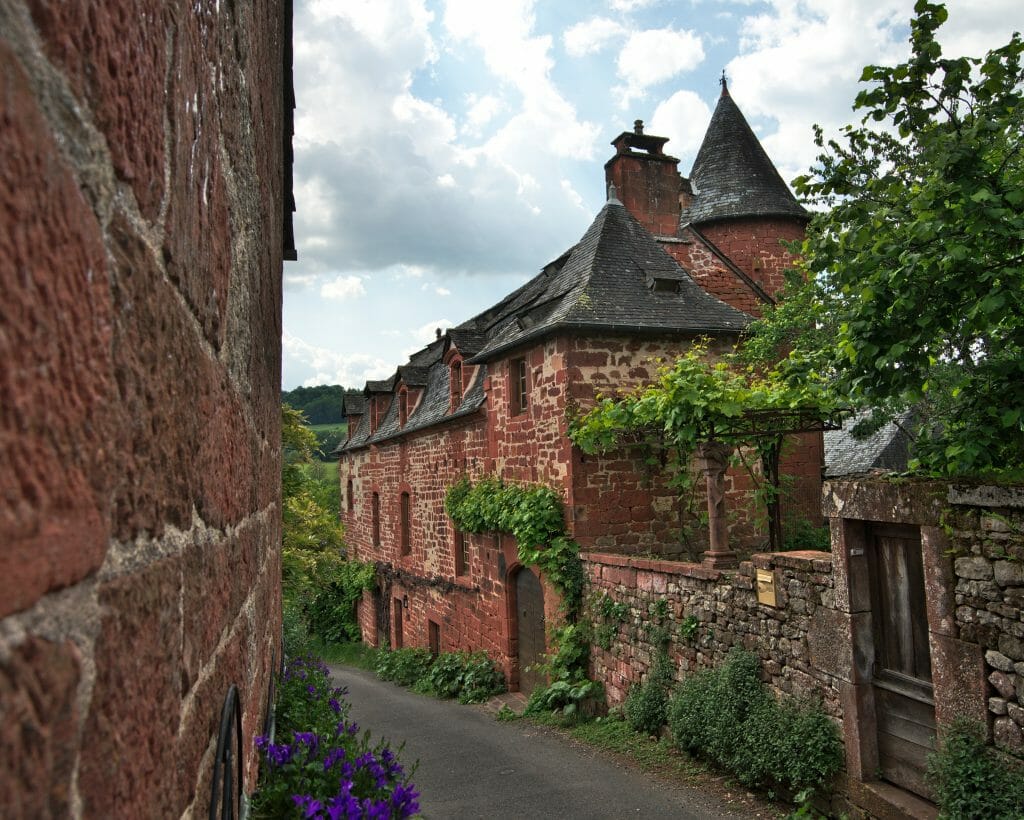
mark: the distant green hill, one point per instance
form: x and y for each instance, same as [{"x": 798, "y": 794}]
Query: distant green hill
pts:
[{"x": 321, "y": 404}]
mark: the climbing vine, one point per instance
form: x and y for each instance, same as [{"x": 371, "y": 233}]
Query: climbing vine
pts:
[
  {"x": 532, "y": 514},
  {"x": 697, "y": 399}
]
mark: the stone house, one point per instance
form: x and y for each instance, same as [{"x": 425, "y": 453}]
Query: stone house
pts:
[{"x": 667, "y": 260}]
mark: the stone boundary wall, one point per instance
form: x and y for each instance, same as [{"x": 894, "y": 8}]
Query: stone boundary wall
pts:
[
  {"x": 141, "y": 189},
  {"x": 795, "y": 640}
]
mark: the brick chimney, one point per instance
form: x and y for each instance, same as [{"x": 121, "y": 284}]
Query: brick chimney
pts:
[{"x": 647, "y": 180}]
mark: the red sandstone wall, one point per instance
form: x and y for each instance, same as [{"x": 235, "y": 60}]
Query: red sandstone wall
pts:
[{"x": 140, "y": 259}]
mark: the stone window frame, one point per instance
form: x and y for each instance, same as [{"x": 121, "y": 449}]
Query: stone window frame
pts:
[
  {"x": 460, "y": 551},
  {"x": 456, "y": 383},
  {"x": 518, "y": 385},
  {"x": 350, "y": 495},
  {"x": 405, "y": 522},
  {"x": 375, "y": 518},
  {"x": 403, "y": 406}
]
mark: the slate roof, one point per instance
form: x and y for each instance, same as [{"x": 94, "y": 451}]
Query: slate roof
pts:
[
  {"x": 353, "y": 403},
  {"x": 605, "y": 283},
  {"x": 886, "y": 449},
  {"x": 732, "y": 175}
]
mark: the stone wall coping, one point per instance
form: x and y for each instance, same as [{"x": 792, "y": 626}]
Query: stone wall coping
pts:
[
  {"x": 683, "y": 568},
  {"x": 807, "y": 560},
  {"x": 986, "y": 495}
]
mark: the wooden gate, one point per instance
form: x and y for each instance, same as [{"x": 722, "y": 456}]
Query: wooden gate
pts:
[
  {"x": 902, "y": 679},
  {"x": 529, "y": 629},
  {"x": 382, "y": 604}
]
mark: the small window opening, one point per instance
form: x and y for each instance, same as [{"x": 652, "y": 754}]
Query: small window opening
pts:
[
  {"x": 375, "y": 516},
  {"x": 519, "y": 386},
  {"x": 406, "y": 524}
]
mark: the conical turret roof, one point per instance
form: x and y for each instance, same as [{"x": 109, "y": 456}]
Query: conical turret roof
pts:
[{"x": 733, "y": 176}]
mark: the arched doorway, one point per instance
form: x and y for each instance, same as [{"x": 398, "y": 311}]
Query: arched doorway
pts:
[{"x": 529, "y": 629}]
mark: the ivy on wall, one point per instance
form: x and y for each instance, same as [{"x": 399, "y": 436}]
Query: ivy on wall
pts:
[{"x": 532, "y": 514}]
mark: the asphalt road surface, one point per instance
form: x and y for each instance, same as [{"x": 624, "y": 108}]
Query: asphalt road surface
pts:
[{"x": 473, "y": 766}]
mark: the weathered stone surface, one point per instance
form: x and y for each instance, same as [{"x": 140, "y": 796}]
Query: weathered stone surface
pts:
[
  {"x": 986, "y": 496},
  {"x": 974, "y": 567},
  {"x": 1007, "y": 735},
  {"x": 997, "y": 660},
  {"x": 1016, "y": 713},
  {"x": 997, "y": 706},
  {"x": 958, "y": 676},
  {"x": 133, "y": 720},
  {"x": 1009, "y": 573},
  {"x": 1011, "y": 646},
  {"x": 55, "y": 380},
  {"x": 1003, "y": 683},
  {"x": 124, "y": 89},
  {"x": 38, "y": 685}
]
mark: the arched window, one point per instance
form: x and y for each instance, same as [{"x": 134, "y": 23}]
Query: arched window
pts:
[{"x": 405, "y": 535}]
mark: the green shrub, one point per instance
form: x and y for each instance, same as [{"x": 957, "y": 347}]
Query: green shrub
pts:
[
  {"x": 970, "y": 780},
  {"x": 565, "y": 696},
  {"x": 471, "y": 677},
  {"x": 646, "y": 706},
  {"x": 293, "y": 626},
  {"x": 403, "y": 666},
  {"x": 730, "y": 717},
  {"x": 335, "y": 587},
  {"x": 801, "y": 534}
]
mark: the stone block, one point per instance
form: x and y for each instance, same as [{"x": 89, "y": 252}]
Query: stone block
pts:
[
  {"x": 57, "y": 420},
  {"x": 958, "y": 677},
  {"x": 973, "y": 567},
  {"x": 38, "y": 734},
  {"x": 1009, "y": 573},
  {"x": 1011, "y": 646},
  {"x": 1004, "y": 684},
  {"x": 999, "y": 661},
  {"x": 127, "y": 766},
  {"x": 829, "y": 644},
  {"x": 124, "y": 89},
  {"x": 997, "y": 706},
  {"x": 1007, "y": 735},
  {"x": 1015, "y": 712}
]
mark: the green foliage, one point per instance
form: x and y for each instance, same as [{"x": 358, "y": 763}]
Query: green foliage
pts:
[
  {"x": 471, "y": 677},
  {"x": 403, "y": 666},
  {"x": 335, "y": 587},
  {"x": 321, "y": 404},
  {"x": 918, "y": 263},
  {"x": 969, "y": 779},
  {"x": 730, "y": 717},
  {"x": 533, "y": 514},
  {"x": 564, "y": 696},
  {"x": 801, "y": 534},
  {"x": 295, "y": 632},
  {"x": 688, "y": 628},
  {"x": 328, "y": 437},
  {"x": 646, "y": 707},
  {"x": 611, "y": 615}
]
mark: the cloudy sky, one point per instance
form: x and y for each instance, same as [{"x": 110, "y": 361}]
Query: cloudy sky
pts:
[{"x": 445, "y": 150}]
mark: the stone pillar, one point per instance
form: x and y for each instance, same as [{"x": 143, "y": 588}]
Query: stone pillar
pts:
[{"x": 713, "y": 457}]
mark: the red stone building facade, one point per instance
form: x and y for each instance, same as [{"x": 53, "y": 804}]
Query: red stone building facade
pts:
[
  {"x": 143, "y": 176},
  {"x": 666, "y": 261}
]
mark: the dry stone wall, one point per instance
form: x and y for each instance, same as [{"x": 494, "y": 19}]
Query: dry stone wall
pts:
[
  {"x": 140, "y": 266},
  {"x": 706, "y": 612}
]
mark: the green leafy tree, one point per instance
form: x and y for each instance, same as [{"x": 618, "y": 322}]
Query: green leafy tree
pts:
[{"x": 918, "y": 263}]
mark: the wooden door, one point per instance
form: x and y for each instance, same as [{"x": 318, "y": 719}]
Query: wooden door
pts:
[
  {"x": 529, "y": 629},
  {"x": 398, "y": 623},
  {"x": 382, "y": 602},
  {"x": 902, "y": 679}
]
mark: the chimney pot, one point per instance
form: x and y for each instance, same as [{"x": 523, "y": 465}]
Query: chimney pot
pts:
[{"x": 638, "y": 126}]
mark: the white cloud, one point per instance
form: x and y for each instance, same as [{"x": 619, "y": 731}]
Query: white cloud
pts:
[
  {"x": 631, "y": 5},
  {"x": 591, "y": 36},
  {"x": 799, "y": 61},
  {"x": 298, "y": 281},
  {"x": 446, "y": 181},
  {"x": 325, "y": 366},
  {"x": 342, "y": 288},
  {"x": 481, "y": 110},
  {"x": 653, "y": 56},
  {"x": 683, "y": 118},
  {"x": 442, "y": 291}
]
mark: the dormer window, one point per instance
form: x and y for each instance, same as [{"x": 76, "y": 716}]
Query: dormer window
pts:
[
  {"x": 403, "y": 407},
  {"x": 660, "y": 285},
  {"x": 455, "y": 374}
]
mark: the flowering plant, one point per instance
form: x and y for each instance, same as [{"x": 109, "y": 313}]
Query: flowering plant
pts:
[{"x": 327, "y": 769}]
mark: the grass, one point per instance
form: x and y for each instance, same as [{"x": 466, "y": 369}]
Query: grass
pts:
[
  {"x": 358, "y": 655},
  {"x": 329, "y": 428},
  {"x": 321, "y": 470}
]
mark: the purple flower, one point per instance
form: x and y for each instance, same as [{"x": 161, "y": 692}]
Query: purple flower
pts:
[
  {"x": 335, "y": 706},
  {"x": 311, "y": 689},
  {"x": 333, "y": 756}
]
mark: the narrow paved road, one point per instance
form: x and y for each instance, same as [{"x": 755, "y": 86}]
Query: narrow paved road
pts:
[{"x": 472, "y": 766}]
